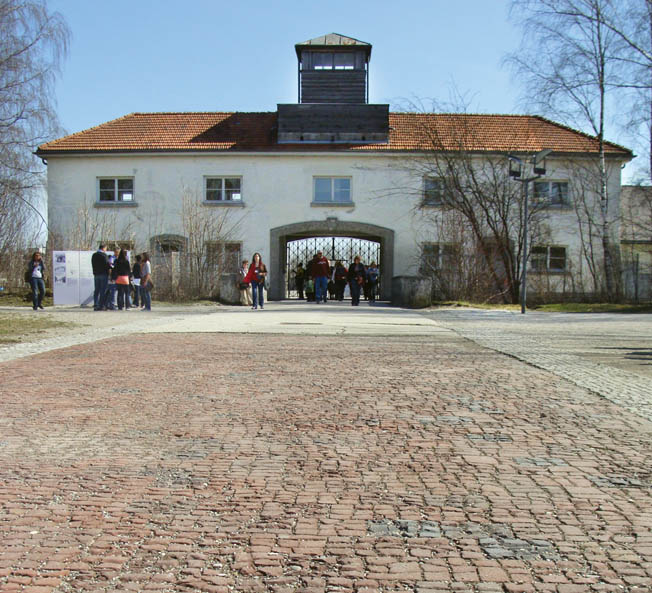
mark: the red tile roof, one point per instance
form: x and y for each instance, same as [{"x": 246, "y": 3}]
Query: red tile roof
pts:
[{"x": 409, "y": 132}]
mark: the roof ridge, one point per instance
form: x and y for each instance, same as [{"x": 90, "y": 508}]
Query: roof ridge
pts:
[
  {"x": 519, "y": 115},
  {"x": 197, "y": 113}
]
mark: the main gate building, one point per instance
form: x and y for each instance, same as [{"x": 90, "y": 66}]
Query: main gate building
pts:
[{"x": 332, "y": 167}]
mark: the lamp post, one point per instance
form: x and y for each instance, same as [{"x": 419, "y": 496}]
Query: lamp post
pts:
[{"x": 518, "y": 172}]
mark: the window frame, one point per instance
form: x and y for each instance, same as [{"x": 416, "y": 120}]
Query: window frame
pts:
[
  {"x": 547, "y": 199},
  {"x": 116, "y": 189},
  {"x": 332, "y": 201},
  {"x": 546, "y": 258},
  {"x": 222, "y": 189},
  {"x": 445, "y": 252},
  {"x": 425, "y": 201},
  {"x": 217, "y": 253}
]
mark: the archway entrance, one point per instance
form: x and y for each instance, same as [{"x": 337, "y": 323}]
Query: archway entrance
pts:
[
  {"x": 345, "y": 234},
  {"x": 343, "y": 249}
]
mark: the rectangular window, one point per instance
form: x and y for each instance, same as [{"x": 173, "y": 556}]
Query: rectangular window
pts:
[
  {"x": 332, "y": 190},
  {"x": 433, "y": 191},
  {"x": 548, "y": 258},
  {"x": 551, "y": 193},
  {"x": 117, "y": 189},
  {"x": 322, "y": 61},
  {"x": 436, "y": 257},
  {"x": 223, "y": 189},
  {"x": 344, "y": 61}
]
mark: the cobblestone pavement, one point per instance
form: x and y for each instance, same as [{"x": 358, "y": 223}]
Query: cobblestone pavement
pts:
[
  {"x": 608, "y": 354},
  {"x": 282, "y": 463}
]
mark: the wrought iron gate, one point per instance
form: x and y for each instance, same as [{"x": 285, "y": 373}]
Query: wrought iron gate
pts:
[{"x": 333, "y": 248}]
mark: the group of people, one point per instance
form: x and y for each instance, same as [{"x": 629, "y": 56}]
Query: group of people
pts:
[
  {"x": 115, "y": 277},
  {"x": 320, "y": 281},
  {"x": 252, "y": 280}
]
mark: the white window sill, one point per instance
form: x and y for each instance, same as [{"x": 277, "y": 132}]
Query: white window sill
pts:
[
  {"x": 333, "y": 204},
  {"x": 224, "y": 203},
  {"x": 108, "y": 204}
]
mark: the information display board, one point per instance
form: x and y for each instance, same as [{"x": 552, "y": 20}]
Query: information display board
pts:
[{"x": 72, "y": 277}]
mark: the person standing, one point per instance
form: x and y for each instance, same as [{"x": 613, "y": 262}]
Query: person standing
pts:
[
  {"x": 146, "y": 283},
  {"x": 135, "y": 280},
  {"x": 256, "y": 277},
  {"x": 101, "y": 268},
  {"x": 357, "y": 277},
  {"x": 372, "y": 281},
  {"x": 244, "y": 287},
  {"x": 112, "y": 289},
  {"x": 36, "y": 275},
  {"x": 122, "y": 270},
  {"x": 299, "y": 279},
  {"x": 320, "y": 270},
  {"x": 339, "y": 277}
]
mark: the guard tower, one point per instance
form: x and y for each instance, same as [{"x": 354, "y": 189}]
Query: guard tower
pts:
[
  {"x": 333, "y": 102},
  {"x": 333, "y": 69}
]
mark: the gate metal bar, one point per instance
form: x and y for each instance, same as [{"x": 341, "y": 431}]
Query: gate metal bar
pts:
[{"x": 333, "y": 248}]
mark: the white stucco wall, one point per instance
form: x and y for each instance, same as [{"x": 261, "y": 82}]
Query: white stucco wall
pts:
[{"x": 277, "y": 190}]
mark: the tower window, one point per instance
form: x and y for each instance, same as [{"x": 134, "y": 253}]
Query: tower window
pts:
[{"x": 333, "y": 61}]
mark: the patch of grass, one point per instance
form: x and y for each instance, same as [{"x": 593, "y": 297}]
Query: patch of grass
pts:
[
  {"x": 468, "y": 304},
  {"x": 21, "y": 299},
  {"x": 593, "y": 308},
  {"x": 555, "y": 307},
  {"x": 18, "y": 327}
]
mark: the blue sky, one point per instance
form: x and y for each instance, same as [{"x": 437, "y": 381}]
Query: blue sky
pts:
[
  {"x": 214, "y": 55},
  {"x": 217, "y": 55}
]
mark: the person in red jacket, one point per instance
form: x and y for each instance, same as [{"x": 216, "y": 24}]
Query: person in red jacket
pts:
[
  {"x": 320, "y": 273},
  {"x": 256, "y": 277}
]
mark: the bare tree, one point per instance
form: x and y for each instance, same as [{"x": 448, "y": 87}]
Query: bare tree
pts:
[
  {"x": 569, "y": 61},
  {"x": 472, "y": 190},
  {"x": 32, "y": 43},
  {"x": 90, "y": 226},
  {"x": 630, "y": 24},
  {"x": 209, "y": 255}
]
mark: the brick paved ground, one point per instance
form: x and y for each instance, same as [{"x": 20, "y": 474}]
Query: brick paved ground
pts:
[{"x": 293, "y": 463}]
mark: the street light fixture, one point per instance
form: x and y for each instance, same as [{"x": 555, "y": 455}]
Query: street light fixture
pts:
[{"x": 518, "y": 172}]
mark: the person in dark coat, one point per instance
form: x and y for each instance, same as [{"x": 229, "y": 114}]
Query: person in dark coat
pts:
[
  {"x": 357, "y": 277},
  {"x": 122, "y": 271},
  {"x": 101, "y": 269},
  {"x": 339, "y": 277},
  {"x": 135, "y": 280},
  {"x": 299, "y": 279}
]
